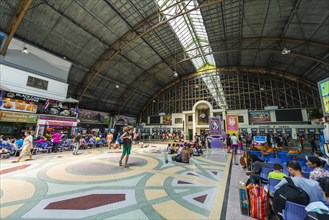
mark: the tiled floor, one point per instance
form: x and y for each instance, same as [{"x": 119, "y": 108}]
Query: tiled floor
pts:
[
  {"x": 93, "y": 186},
  {"x": 233, "y": 204}
]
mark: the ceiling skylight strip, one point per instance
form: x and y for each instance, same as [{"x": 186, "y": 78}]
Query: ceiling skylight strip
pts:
[
  {"x": 192, "y": 34},
  {"x": 190, "y": 24}
]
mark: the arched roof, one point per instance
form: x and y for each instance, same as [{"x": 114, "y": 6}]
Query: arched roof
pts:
[{"x": 133, "y": 45}]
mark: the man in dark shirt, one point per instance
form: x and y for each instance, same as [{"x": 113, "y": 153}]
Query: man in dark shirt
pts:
[{"x": 256, "y": 168}]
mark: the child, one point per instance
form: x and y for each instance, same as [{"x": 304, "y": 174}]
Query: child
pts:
[{"x": 277, "y": 173}]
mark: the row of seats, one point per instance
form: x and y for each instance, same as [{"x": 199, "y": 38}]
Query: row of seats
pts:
[
  {"x": 48, "y": 146},
  {"x": 67, "y": 145}
]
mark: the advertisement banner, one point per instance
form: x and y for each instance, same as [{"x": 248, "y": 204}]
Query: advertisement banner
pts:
[
  {"x": 124, "y": 120},
  {"x": 232, "y": 124},
  {"x": 90, "y": 116},
  {"x": 17, "y": 117},
  {"x": 166, "y": 119},
  {"x": 324, "y": 96},
  {"x": 20, "y": 102},
  {"x": 259, "y": 117},
  {"x": 215, "y": 126}
]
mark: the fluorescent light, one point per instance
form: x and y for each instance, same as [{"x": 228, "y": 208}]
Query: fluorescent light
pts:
[
  {"x": 25, "y": 51},
  {"x": 285, "y": 51}
]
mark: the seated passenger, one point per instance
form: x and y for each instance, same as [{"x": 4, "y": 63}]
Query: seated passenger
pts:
[
  {"x": 185, "y": 155},
  {"x": 319, "y": 155},
  {"x": 170, "y": 150},
  {"x": 277, "y": 173},
  {"x": 257, "y": 165},
  {"x": 319, "y": 171},
  {"x": 318, "y": 210},
  {"x": 311, "y": 187},
  {"x": 4, "y": 153}
]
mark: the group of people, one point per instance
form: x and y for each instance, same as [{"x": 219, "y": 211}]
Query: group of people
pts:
[{"x": 314, "y": 186}]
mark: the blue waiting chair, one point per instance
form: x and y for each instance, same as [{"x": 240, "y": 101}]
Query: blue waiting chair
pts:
[
  {"x": 285, "y": 171},
  {"x": 265, "y": 172},
  {"x": 271, "y": 164},
  {"x": 294, "y": 211},
  {"x": 276, "y": 160},
  {"x": 306, "y": 175},
  {"x": 308, "y": 169},
  {"x": 326, "y": 167},
  {"x": 301, "y": 161},
  {"x": 271, "y": 185}
]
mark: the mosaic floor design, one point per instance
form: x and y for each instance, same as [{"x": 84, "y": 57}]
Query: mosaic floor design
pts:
[{"x": 93, "y": 186}]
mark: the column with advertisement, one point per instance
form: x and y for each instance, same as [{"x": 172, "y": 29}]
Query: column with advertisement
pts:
[{"x": 215, "y": 131}]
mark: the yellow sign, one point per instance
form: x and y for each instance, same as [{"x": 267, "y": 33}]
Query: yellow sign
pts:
[{"x": 17, "y": 117}]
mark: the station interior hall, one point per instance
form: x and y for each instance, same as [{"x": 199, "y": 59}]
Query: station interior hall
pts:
[{"x": 164, "y": 109}]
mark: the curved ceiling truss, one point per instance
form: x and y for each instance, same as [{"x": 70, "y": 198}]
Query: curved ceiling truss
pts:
[
  {"x": 236, "y": 37},
  {"x": 145, "y": 27},
  {"x": 295, "y": 43},
  {"x": 245, "y": 88}
]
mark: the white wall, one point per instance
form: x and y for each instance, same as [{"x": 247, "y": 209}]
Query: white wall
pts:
[
  {"x": 15, "y": 80},
  {"x": 304, "y": 114},
  {"x": 37, "y": 61},
  {"x": 177, "y": 115}
]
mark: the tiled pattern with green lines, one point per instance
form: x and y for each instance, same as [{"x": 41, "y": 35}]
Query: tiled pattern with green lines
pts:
[{"x": 192, "y": 188}]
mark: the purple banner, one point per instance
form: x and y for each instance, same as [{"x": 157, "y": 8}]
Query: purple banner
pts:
[{"x": 215, "y": 126}]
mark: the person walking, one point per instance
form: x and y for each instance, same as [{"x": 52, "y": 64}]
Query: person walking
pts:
[
  {"x": 109, "y": 139},
  {"x": 27, "y": 147},
  {"x": 234, "y": 140},
  {"x": 313, "y": 144},
  {"x": 56, "y": 138},
  {"x": 76, "y": 143},
  {"x": 126, "y": 137},
  {"x": 228, "y": 143}
]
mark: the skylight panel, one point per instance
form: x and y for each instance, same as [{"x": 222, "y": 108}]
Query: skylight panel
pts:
[{"x": 191, "y": 33}]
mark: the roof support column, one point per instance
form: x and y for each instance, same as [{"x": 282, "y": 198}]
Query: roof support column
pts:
[{"x": 16, "y": 20}]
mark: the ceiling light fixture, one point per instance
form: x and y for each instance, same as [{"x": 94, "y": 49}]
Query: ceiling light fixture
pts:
[
  {"x": 285, "y": 51},
  {"x": 25, "y": 50},
  {"x": 196, "y": 86},
  {"x": 153, "y": 100},
  {"x": 117, "y": 86},
  {"x": 175, "y": 74},
  {"x": 261, "y": 89}
]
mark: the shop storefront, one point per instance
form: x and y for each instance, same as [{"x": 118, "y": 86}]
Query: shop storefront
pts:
[
  {"x": 16, "y": 123},
  {"x": 48, "y": 125}
]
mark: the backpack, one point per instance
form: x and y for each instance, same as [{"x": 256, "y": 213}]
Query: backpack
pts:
[
  {"x": 127, "y": 141},
  {"x": 289, "y": 192},
  {"x": 317, "y": 216}
]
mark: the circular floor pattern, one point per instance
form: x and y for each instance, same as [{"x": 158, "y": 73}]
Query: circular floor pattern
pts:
[{"x": 93, "y": 168}]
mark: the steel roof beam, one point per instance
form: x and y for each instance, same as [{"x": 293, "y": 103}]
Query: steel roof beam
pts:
[
  {"x": 233, "y": 51},
  {"x": 116, "y": 48},
  {"x": 292, "y": 14},
  {"x": 285, "y": 75},
  {"x": 88, "y": 32},
  {"x": 116, "y": 11},
  {"x": 263, "y": 26},
  {"x": 16, "y": 20}
]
